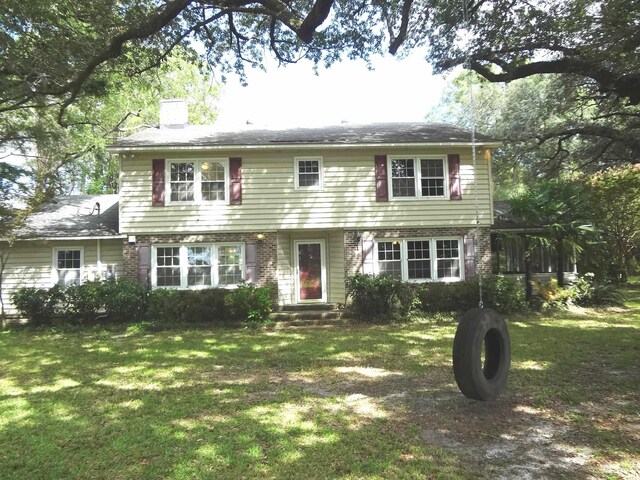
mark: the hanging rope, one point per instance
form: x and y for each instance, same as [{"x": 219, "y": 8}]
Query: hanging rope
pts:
[{"x": 471, "y": 115}]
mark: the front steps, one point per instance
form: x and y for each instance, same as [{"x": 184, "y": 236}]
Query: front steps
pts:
[{"x": 314, "y": 314}]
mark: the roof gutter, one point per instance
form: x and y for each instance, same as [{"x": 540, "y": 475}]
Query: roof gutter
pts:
[
  {"x": 293, "y": 146},
  {"x": 49, "y": 239}
]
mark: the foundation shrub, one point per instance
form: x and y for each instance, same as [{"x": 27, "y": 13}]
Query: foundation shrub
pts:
[
  {"x": 380, "y": 297},
  {"x": 165, "y": 306},
  {"x": 39, "y": 305},
  {"x": 205, "y": 306},
  {"x": 83, "y": 302},
  {"x": 250, "y": 303},
  {"x": 124, "y": 300},
  {"x": 188, "y": 306},
  {"x": 498, "y": 292}
]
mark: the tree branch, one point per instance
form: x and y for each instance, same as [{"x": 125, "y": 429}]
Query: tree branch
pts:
[
  {"x": 316, "y": 16},
  {"x": 404, "y": 25},
  {"x": 625, "y": 86},
  {"x": 604, "y": 131}
]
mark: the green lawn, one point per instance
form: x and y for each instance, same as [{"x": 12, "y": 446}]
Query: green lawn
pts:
[{"x": 354, "y": 402}]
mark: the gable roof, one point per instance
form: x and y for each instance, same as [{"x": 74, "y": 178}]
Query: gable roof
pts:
[
  {"x": 344, "y": 134},
  {"x": 72, "y": 217}
]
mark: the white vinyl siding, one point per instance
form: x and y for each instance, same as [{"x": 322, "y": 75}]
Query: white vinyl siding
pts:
[
  {"x": 31, "y": 264},
  {"x": 420, "y": 259},
  {"x": 197, "y": 265},
  {"x": 270, "y": 200}
]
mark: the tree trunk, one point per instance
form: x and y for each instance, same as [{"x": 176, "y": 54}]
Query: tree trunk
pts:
[
  {"x": 560, "y": 261},
  {"x": 528, "y": 289}
]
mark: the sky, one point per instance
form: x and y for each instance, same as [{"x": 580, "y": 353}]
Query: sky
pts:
[{"x": 286, "y": 96}]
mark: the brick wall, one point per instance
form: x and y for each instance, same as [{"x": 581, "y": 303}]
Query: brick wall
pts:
[
  {"x": 266, "y": 250},
  {"x": 353, "y": 241}
]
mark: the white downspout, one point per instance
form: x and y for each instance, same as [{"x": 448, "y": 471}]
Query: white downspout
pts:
[{"x": 99, "y": 260}]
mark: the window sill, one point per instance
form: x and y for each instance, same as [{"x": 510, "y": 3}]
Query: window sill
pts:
[{"x": 417, "y": 199}]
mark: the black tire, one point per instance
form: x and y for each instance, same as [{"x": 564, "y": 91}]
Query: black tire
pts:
[{"x": 482, "y": 329}]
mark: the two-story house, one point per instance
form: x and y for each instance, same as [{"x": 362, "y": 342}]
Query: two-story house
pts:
[{"x": 299, "y": 208}]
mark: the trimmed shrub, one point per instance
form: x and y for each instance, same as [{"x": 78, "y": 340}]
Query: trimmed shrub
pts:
[
  {"x": 500, "y": 293},
  {"x": 188, "y": 306},
  {"x": 83, "y": 302},
  {"x": 124, "y": 300},
  {"x": 38, "y": 305},
  {"x": 250, "y": 303},
  {"x": 165, "y": 306},
  {"x": 205, "y": 306},
  {"x": 380, "y": 297}
]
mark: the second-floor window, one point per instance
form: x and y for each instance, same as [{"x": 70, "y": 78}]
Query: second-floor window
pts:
[
  {"x": 198, "y": 180},
  {"x": 308, "y": 173},
  {"x": 418, "y": 177}
]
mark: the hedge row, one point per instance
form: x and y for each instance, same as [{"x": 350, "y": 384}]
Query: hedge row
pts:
[
  {"x": 124, "y": 301},
  {"x": 382, "y": 298}
]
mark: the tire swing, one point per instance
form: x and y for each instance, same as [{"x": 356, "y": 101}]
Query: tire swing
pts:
[
  {"x": 481, "y": 331},
  {"x": 481, "y": 347}
]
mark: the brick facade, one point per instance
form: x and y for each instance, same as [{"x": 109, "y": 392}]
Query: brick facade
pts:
[
  {"x": 266, "y": 250},
  {"x": 354, "y": 241},
  {"x": 267, "y": 247}
]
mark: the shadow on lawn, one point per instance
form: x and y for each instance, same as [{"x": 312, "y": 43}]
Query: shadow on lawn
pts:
[{"x": 306, "y": 404}]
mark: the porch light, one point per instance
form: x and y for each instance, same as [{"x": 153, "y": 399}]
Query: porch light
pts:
[{"x": 260, "y": 237}]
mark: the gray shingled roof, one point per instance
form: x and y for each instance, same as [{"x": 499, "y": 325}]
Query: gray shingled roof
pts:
[
  {"x": 503, "y": 219},
  {"x": 344, "y": 134},
  {"x": 73, "y": 216}
]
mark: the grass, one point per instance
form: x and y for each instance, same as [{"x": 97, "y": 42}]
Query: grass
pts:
[{"x": 356, "y": 402}]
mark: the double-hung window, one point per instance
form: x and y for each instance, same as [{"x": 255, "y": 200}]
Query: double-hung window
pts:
[
  {"x": 423, "y": 259},
  {"x": 197, "y": 180},
  {"x": 308, "y": 173},
  {"x": 418, "y": 177},
  {"x": 67, "y": 266},
  {"x": 197, "y": 265}
]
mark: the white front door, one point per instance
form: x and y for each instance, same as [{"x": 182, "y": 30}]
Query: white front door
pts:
[{"x": 311, "y": 272}]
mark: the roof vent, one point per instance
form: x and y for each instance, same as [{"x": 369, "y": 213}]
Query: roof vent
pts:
[{"x": 174, "y": 113}]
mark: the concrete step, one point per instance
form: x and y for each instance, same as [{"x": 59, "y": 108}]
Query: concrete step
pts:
[
  {"x": 306, "y": 307},
  {"x": 320, "y": 322},
  {"x": 308, "y": 315}
]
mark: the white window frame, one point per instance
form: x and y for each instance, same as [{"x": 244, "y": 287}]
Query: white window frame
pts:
[
  {"x": 55, "y": 279},
  {"x": 296, "y": 169},
  {"x": 404, "y": 258},
  {"x": 417, "y": 167},
  {"x": 197, "y": 181},
  {"x": 184, "y": 264},
  {"x": 323, "y": 274}
]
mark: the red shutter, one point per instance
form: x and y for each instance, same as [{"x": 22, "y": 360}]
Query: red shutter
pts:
[
  {"x": 469, "y": 257},
  {"x": 382, "y": 188},
  {"x": 144, "y": 262},
  {"x": 157, "y": 182},
  {"x": 235, "y": 170},
  {"x": 251, "y": 261},
  {"x": 455, "y": 190}
]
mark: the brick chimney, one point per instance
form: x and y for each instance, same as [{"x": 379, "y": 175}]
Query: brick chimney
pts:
[{"x": 174, "y": 113}]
